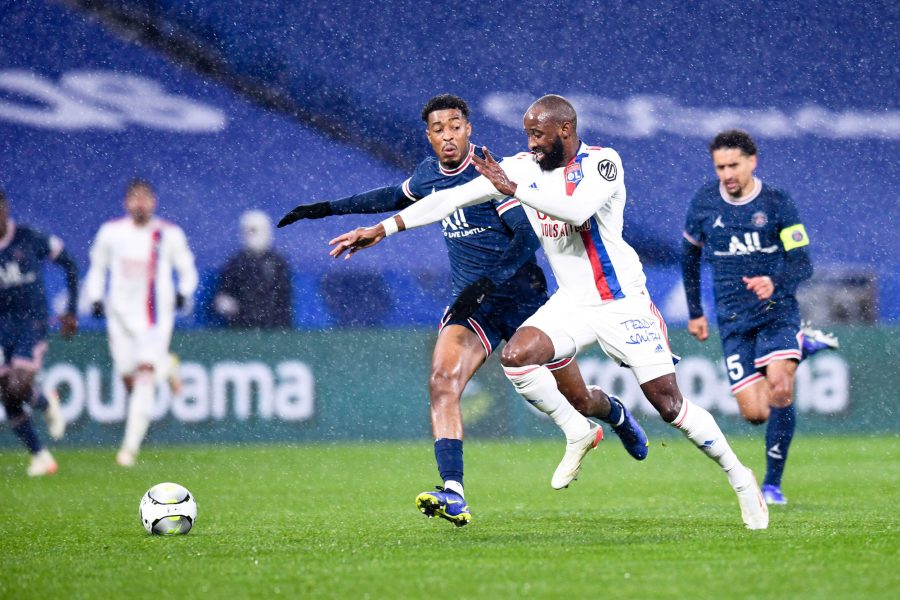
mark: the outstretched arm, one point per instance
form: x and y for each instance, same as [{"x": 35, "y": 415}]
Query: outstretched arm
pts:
[
  {"x": 589, "y": 196},
  {"x": 384, "y": 199},
  {"x": 430, "y": 209}
]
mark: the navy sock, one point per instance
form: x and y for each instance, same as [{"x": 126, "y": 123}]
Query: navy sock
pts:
[
  {"x": 779, "y": 433},
  {"x": 39, "y": 402},
  {"x": 25, "y": 431},
  {"x": 449, "y": 455},
  {"x": 616, "y": 411}
]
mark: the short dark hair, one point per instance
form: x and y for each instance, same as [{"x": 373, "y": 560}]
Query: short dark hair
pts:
[
  {"x": 734, "y": 138},
  {"x": 445, "y": 102},
  {"x": 138, "y": 182}
]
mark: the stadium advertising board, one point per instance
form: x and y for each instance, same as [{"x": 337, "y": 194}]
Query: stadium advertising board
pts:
[{"x": 372, "y": 385}]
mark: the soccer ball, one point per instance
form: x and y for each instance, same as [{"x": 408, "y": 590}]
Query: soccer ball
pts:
[{"x": 168, "y": 509}]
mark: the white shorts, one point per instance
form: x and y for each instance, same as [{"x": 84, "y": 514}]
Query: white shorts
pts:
[
  {"x": 630, "y": 331},
  {"x": 130, "y": 348}
]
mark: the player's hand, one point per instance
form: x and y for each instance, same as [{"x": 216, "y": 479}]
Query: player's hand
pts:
[
  {"x": 762, "y": 286},
  {"x": 318, "y": 210},
  {"x": 471, "y": 298},
  {"x": 97, "y": 309},
  {"x": 354, "y": 241},
  {"x": 699, "y": 328},
  {"x": 494, "y": 173},
  {"x": 68, "y": 325}
]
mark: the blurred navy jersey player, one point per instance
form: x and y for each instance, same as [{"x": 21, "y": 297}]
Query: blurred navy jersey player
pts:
[
  {"x": 497, "y": 284},
  {"x": 757, "y": 246},
  {"x": 24, "y": 328}
]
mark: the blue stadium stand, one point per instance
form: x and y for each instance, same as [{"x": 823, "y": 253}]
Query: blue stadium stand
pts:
[{"x": 316, "y": 110}]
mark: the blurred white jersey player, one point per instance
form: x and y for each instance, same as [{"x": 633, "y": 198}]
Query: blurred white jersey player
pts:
[{"x": 140, "y": 252}]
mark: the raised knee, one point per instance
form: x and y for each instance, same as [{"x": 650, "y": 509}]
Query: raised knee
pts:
[{"x": 513, "y": 356}]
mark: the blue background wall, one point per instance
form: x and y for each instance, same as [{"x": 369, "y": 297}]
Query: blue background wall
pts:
[{"x": 317, "y": 100}]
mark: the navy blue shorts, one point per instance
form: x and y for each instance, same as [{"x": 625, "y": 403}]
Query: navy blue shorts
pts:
[
  {"x": 499, "y": 318},
  {"x": 750, "y": 348},
  {"x": 22, "y": 343}
]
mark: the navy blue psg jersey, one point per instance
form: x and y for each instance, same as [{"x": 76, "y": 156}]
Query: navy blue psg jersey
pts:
[
  {"x": 22, "y": 254},
  {"x": 477, "y": 236},
  {"x": 745, "y": 237}
]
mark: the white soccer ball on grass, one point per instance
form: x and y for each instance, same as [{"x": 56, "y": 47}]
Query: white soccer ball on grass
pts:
[{"x": 168, "y": 509}]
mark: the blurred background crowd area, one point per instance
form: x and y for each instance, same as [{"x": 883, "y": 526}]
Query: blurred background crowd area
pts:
[{"x": 230, "y": 106}]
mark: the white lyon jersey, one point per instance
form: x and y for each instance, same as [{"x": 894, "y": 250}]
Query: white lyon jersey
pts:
[
  {"x": 577, "y": 213},
  {"x": 140, "y": 261}
]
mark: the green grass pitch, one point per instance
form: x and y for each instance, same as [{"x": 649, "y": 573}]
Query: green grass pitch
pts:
[{"x": 339, "y": 521}]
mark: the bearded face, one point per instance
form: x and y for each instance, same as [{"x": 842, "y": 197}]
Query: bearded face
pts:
[{"x": 552, "y": 157}]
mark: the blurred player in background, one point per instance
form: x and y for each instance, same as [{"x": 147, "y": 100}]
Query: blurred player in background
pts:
[
  {"x": 140, "y": 252},
  {"x": 574, "y": 196},
  {"x": 255, "y": 285},
  {"x": 497, "y": 284},
  {"x": 23, "y": 330},
  {"x": 757, "y": 246}
]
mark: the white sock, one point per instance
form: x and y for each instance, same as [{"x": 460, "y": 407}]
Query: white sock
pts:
[
  {"x": 701, "y": 428},
  {"x": 537, "y": 385},
  {"x": 140, "y": 403},
  {"x": 454, "y": 486}
]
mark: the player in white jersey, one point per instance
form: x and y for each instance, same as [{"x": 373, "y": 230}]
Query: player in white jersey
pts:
[
  {"x": 140, "y": 252},
  {"x": 575, "y": 196}
]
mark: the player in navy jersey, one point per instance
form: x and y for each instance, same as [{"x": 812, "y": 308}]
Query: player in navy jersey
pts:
[
  {"x": 757, "y": 245},
  {"x": 23, "y": 330},
  {"x": 491, "y": 248}
]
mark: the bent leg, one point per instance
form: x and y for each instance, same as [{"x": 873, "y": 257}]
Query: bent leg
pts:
[
  {"x": 754, "y": 400},
  {"x": 140, "y": 405},
  {"x": 16, "y": 388},
  {"x": 591, "y": 402},
  {"x": 782, "y": 423},
  {"x": 458, "y": 353},
  {"x": 694, "y": 422},
  {"x": 523, "y": 360},
  {"x": 701, "y": 428}
]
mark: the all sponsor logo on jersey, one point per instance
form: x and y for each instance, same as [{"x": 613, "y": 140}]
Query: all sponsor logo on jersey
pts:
[
  {"x": 759, "y": 219},
  {"x": 11, "y": 275},
  {"x": 607, "y": 169},
  {"x": 748, "y": 245}
]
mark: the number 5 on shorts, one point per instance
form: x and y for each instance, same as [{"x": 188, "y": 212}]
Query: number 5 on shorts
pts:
[{"x": 735, "y": 370}]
